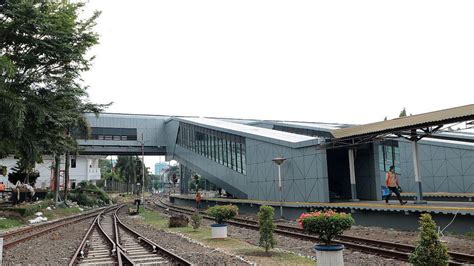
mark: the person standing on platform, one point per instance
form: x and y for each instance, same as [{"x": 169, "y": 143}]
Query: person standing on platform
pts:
[
  {"x": 198, "y": 199},
  {"x": 392, "y": 184}
]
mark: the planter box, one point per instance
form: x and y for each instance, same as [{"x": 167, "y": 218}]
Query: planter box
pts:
[
  {"x": 219, "y": 230},
  {"x": 329, "y": 255}
]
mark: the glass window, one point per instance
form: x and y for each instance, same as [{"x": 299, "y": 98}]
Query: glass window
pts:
[
  {"x": 223, "y": 148},
  {"x": 214, "y": 153},
  {"x": 232, "y": 153},
  {"x": 244, "y": 160},
  {"x": 73, "y": 161},
  {"x": 218, "y": 148},
  {"x": 389, "y": 154},
  {"x": 228, "y": 152}
]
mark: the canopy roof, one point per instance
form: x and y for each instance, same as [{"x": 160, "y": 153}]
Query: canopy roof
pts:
[{"x": 447, "y": 116}]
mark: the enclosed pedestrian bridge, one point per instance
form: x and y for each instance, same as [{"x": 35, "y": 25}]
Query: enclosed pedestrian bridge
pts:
[
  {"x": 124, "y": 134},
  {"x": 324, "y": 161}
]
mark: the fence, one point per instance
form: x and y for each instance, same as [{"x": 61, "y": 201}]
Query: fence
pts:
[{"x": 116, "y": 186}]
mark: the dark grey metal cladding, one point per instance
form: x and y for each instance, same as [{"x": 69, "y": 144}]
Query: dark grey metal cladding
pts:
[
  {"x": 445, "y": 166},
  {"x": 152, "y": 128},
  {"x": 121, "y": 150},
  {"x": 304, "y": 173},
  {"x": 208, "y": 169}
]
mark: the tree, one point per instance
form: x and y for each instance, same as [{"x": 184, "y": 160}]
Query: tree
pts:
[
  {"x": 430, "y": 250},
  {"x": 105, "y": 167},
  {"x": 403, "y": 113},
  {"x": 126, "y": 166},
  {"x": 43, "y": 46},
  {"x": 266, "y": 225},
  {"x": 18, "y": 175}
]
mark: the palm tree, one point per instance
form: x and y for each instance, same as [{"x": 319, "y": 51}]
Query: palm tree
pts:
[{"x": 127, "y": 168}]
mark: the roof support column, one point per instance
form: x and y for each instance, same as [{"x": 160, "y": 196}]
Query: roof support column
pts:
[
  {"x": 352, "y": 175},
  {"x": 416, "y": 168}
]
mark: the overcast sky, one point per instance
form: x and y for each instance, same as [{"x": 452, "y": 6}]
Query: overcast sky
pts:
[{"x": 326, "y": 61}]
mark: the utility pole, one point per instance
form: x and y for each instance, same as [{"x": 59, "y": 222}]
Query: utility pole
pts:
[
  {"x": 143, "y": 171},
  {"x": 66, "y": 174},
  {"x": 57, "y": 164}
]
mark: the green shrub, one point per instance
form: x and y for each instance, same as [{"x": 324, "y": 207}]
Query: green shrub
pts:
[
  {"x": 266, "y": 227},
  {"x": 196, "y": 219},
  {"x": 29, "y": 209},
  {"x": 326, "y": 224},
  {"x": 50, "y": 195},
  {"x": 430, "y": 250},
  {"x": 223, "y": 213},
  {"x": 89, "y": 195}
]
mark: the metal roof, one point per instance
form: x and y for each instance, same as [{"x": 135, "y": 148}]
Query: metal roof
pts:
[
  {"x": 451, "y": 115},
  {"x": 264, "y": 134}
]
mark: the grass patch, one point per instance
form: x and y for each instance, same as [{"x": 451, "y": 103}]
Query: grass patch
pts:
[
  {"x": 232, "y": 245},
  {"x": 155, "y": 219},
  {"x": 60, "y": 212},
  {"x": 282, "y": 257},
  {"x": 470, "y": 235},
  {"x": 9, "y": 223}
]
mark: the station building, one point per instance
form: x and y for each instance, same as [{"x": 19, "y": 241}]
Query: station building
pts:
[{"x": 323, "y": 162}]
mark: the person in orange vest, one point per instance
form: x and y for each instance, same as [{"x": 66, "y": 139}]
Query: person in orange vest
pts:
[
  {"x": 198, "y": 199},
  {"x": 392, "y": 184},
  {"x": 2, "y": 189}
]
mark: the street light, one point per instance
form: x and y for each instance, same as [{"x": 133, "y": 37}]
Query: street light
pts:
[{"x": 279, "y": 161}]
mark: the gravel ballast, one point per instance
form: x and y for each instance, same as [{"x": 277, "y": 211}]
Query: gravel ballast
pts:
[
  {"x": 188, "y": 249},
  {"x": 305, "y": 248},
  {"x": 54, "y": 248}
]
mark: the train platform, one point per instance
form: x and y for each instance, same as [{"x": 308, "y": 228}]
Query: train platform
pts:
[
  {"x": 458, "y": 215},
  {"x": 448, "y": 207},
  {"x": 441, "y": 196}
]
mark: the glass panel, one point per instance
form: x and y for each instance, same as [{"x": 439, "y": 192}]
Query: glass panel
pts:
[
  {"x": 244, "y": 160},
  {"x": 233, "y": 161},
  {"x": 229, "y": 152},
  {"x": 396, "y": 157},
  {"x": 239, "y": 157},
  {"x": 222, "y": 142},
  {"x": 214, "y": 147}
]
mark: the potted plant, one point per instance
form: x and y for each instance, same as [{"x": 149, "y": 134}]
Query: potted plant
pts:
[
  {"x": 327, "y": 225},
  {"x": 221, "y": 214}
]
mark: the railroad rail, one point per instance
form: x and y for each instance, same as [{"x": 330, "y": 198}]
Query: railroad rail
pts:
[
  {"x": 20, "y": 235},
  {"x": 371, "y": 246},
  {"x": 110, "y": 242}
]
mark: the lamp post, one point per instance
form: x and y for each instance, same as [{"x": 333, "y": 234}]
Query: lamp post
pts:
[{"x": 279, "y": 161}]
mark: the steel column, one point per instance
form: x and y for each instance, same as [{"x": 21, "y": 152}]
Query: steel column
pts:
[
  {"x": 352, "y": 175},
  {"x": 416, "y": 168}
]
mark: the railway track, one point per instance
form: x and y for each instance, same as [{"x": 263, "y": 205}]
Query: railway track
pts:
[
  {"x": 110, "y": 242},
  {"x": 371, "y": 246},
  {"x": 23, "y": 234}
]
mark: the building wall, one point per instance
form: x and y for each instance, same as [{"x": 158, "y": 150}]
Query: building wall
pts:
[
  {"x": 304, "y": 173},
  {"x": 159, "y": 167},
  {"x": 87, "y": 168},
  {"x": 152, "y": 127},
  {"x": 366, "y": 177},
  {"x": 444, "y": 167}
]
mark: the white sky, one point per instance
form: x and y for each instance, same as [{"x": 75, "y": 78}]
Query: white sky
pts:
[{"x": 326, "y": 61}]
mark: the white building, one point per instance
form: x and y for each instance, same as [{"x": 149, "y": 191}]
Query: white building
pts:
[{"x": 82, "y": 168}]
